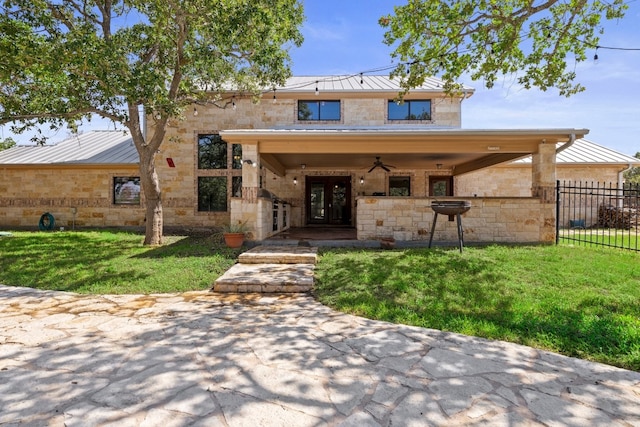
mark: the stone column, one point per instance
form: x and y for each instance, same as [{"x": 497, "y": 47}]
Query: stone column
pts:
[
  {"x": 544, "y": 173},
  {"x": 245, "y": 209},
  {"x": 543, "y": 187}
]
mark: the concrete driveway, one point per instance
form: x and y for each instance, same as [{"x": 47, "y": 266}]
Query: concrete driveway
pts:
[{"x": 213, "y": 360}]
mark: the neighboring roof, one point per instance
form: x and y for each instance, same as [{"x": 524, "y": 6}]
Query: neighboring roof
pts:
[
  {"x": 352, "y": 84},
  {"x": 583, "y": 151},
  {"x": 91, "y": 148}
]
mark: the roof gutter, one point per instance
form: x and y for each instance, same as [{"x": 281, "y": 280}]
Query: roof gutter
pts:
[{"x": 572, "y": 139}]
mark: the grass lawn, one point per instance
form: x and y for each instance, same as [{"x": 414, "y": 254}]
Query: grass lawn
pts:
[
  {"x": 111, "y": 262},
  {"x": 579, "y": 301},
  {"x": 582, "y": 302}
]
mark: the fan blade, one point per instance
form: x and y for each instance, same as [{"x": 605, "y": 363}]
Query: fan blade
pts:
[
  {"x": 389, "y": 166},
  {"x": 374, "y": 166},
  {"x": 385, "y": 168}
]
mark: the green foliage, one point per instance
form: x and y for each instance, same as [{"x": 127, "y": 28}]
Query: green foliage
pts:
[
  {"x": 67, "y": 60},
  {"x": 632, "y": 176},
  {"x": 538, "y": 41},
  {"x": 100, "y": 262},
  {"x": 7, "y": 143},
  {"x": 581, "y": 302}
]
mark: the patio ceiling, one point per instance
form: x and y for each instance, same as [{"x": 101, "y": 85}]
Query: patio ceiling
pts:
[{"x": 460, "y": 150}]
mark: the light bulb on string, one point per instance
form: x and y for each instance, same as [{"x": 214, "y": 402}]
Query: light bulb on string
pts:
[
  {"x": 317, "y": 91},
  {"x": 233, "y": 103},
  {"x": 595, "y": 57},
  {"x": 274, "y": 96},
  {"x": 195, "y": 112}
]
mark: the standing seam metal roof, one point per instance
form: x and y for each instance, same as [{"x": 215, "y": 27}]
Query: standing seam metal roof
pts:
[
  {"x": 351, "y": 83},
  {"x": 95, "y": 147}
]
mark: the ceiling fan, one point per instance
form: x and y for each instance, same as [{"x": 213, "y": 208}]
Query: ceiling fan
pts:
[{"x": 378, "y": 163}]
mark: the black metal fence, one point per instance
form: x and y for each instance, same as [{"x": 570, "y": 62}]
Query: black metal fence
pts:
[{"x": 603, "y": 214}]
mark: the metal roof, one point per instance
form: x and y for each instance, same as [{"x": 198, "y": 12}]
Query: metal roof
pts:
[
  {"x": 352, "y": 83},
  {"x": 583, "y": 151},
  {"x": 91, "y": 148}
]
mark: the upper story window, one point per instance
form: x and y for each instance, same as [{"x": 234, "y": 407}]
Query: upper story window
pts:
[
  {"x": 213, "y": 153},
  {"x": 410, "y": 109},
  {"x": 318, "y": 110}
]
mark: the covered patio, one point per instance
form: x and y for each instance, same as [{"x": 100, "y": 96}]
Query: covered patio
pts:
[{"x": 289, "y": 157}]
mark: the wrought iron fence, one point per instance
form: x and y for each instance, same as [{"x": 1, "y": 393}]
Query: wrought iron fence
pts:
[{"x": 600, "y": 214}]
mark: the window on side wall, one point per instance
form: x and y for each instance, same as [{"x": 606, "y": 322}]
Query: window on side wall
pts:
[
  {"x": 440, "y": 186},
  {"x": 318, "y": 110},
  {"x": 411, "y": 109},
  {"x": 219, "y": 173},
  {"x": 126, "y": 190},
  {"x": 399, "y": 186}
]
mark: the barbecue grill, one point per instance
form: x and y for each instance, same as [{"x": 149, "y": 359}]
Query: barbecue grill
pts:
[{"x": 450, "y": 208}]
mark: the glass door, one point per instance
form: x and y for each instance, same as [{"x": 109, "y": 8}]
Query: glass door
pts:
[{"x": 328, "y": 200}]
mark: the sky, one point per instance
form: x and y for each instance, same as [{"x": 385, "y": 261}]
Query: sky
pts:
[{"x": 343, "y": 37}]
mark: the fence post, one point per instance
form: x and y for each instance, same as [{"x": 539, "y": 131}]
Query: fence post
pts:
[{"x": 557, "y": 211}]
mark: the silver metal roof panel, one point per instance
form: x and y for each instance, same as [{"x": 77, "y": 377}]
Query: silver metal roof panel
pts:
[{"x": 95, "y": 147}]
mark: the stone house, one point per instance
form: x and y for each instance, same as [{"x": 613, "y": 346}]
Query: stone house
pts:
[{"x": 322, "y": 152}]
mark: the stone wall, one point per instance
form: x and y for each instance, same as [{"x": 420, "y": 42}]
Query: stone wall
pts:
[
  {"x": 27, "y": 193},
  {"x": 515, "y": 180},
  {"x": 501, "y": 220}
]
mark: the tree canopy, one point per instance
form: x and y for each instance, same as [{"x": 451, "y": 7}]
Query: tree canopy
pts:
[
  {"x": 64, "y": 60},
  {"x": 7, "y": 143},
  {"x": 540, "y": 41}
]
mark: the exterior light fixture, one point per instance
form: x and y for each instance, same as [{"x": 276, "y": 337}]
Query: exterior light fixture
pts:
[
  {"x": 195, "y": 112},
  {"x": 250, "y": 162},
  {"x": 439, "y": 165},
  {"x": 295, "y": 180},
  {"x": 361, "y": 180}
]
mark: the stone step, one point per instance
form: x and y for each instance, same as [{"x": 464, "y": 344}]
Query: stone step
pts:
[
  {"x": 266, "y": 278},
  {"x": 280, "y": 255}
]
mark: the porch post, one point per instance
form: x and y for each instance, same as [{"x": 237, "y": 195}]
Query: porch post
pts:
[
  {"x": 543, "y": 187},
  {"x": 544, "y": 173},
  {"x": 245, "y": 209}
]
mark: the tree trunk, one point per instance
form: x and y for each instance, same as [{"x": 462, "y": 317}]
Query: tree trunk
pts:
[
  {"x": 148, "y": 177},
  {"x": 153, "y": 200}
]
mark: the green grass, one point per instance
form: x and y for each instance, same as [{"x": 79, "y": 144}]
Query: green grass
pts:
[
  {"x": 111, "y": 262},
  {"x": 577, "y": 301}
]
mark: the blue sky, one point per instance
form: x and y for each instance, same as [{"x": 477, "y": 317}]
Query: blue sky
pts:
[{"x": 343, "y": 37}]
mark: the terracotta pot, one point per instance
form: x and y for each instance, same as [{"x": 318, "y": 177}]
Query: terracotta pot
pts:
[{"x": 233, "y": 240}]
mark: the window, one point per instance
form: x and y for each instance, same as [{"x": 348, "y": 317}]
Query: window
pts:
[
  {"x": 212, "y": 193},
  {"x": 399, "y": 186},
  {"x": 318, "y": 110},
  {"x": 219, "y": 173},
  {"x": 126, "y": 190},
  {"x": 409, "y": 110},
  {"x": 440, "y": 186}
]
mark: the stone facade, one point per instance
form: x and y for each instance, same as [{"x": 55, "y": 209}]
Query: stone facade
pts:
[{"x": 507, "y": 220}]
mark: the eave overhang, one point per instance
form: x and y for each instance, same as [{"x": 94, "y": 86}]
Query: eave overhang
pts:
[{"x": 460, "y": 150}]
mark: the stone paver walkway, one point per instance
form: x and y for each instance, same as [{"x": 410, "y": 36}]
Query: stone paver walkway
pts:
[{"x": 207, "y": 359}]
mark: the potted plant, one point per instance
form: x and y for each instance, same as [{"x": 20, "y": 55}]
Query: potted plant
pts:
[{"x": 233, "y": 234}]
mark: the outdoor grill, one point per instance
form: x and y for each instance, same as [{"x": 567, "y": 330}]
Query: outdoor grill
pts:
[{"x": 450, "y": 208}]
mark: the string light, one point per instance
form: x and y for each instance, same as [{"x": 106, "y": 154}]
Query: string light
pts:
[
  {"x": 233, "y": 103},
  {"x": 386, "y": 68}
]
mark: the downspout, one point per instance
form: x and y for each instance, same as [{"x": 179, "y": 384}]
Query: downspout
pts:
[
  {"x": 621, "y": 185},
  {"x": 572, "y": 139}
]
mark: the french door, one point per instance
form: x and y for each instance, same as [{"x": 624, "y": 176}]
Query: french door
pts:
[{"x": 328, "y": 200}]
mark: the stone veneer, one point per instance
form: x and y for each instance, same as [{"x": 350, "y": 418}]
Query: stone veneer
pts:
[{"x": 516, "y": 219}]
